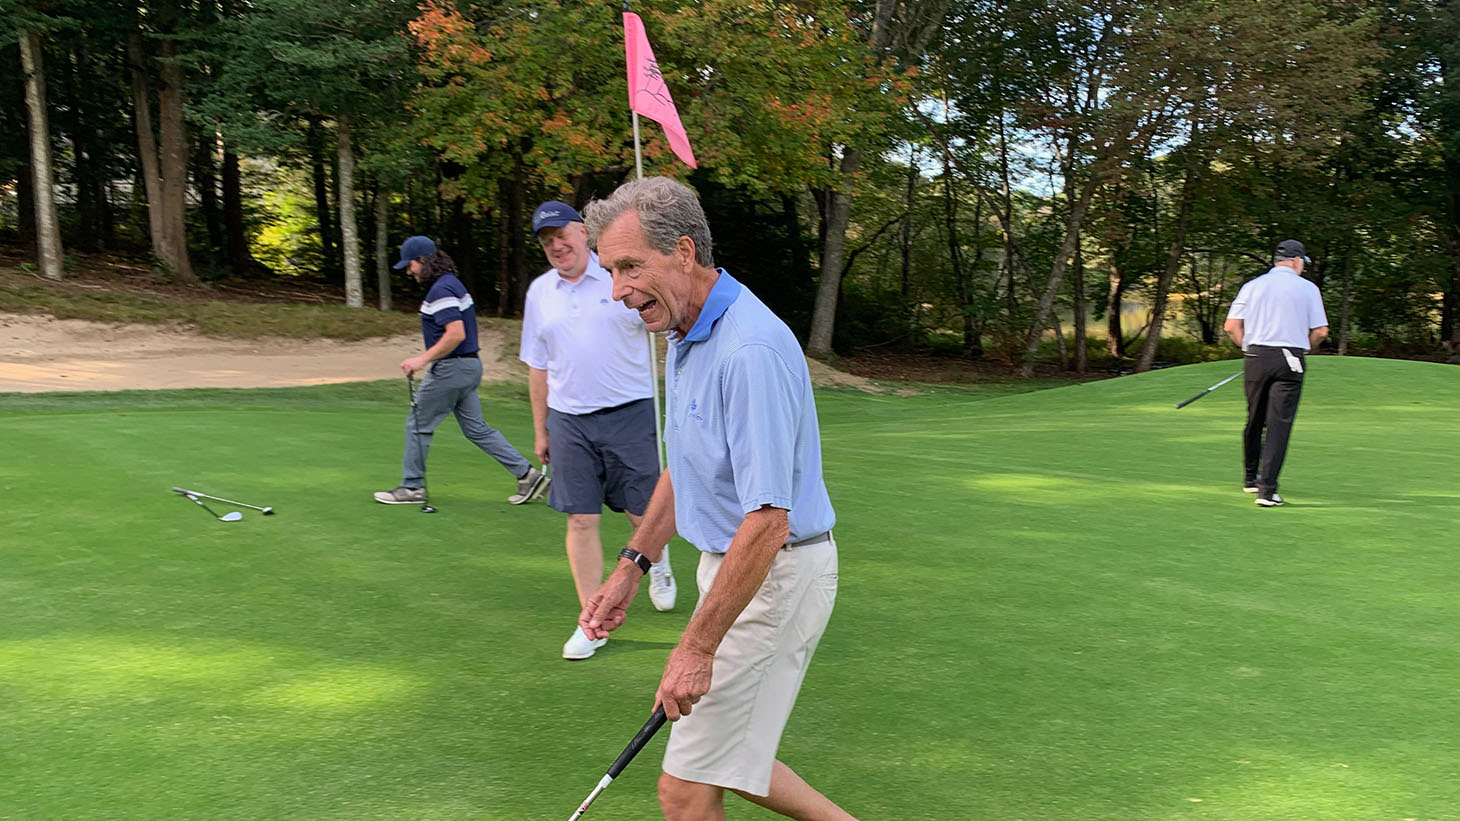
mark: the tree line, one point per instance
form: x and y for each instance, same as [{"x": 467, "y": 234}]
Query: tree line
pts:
[{"x": 1013, "y": 179}]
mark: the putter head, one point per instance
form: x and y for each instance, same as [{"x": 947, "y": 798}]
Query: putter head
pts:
[
  {"x": 230, "y": 517},
  {"x": 268, "y": 511},
  {"x": 427, "y": 509}
]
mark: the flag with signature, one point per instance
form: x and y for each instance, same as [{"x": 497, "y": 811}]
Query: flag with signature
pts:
[{"x": 647, "y": 93}]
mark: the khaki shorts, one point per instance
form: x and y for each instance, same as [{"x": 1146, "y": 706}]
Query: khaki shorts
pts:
[{"x": 730, "y": 738}]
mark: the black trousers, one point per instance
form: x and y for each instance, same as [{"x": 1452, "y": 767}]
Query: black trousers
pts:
[{"x": 1273, "y": 390}]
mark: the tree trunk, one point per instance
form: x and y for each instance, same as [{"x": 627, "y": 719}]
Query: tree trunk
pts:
[
  {"x": 206, "y": 178},
  {"x": 239, "y": 258},
  {"x": 382, "y": 246},
  {"x": 504, "y": 253},
  {"x": 972, "y": 342},
  {"x": 1082, "y": 356},
  {"x": 173, "y": 141},
  {"x": 833, "y": 253},
  {"x": 26, "y": 214},
  {"x": 1115, "y": 334},
  {"x": 1057, "y": 275},
  {"x": 349, "y": 230},
  {"x": 47, "y": 226},
  {"x": 89, "y": 234},
  {"x": 516, "y": 229},
  {"x": 146, "y": 138},
  {"x": 1190, "y": 182},
  {"x": 912, "y": 179},
  {"x": 315, "y": 141}
]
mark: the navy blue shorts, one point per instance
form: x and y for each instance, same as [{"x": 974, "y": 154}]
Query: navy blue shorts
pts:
[{"x": 607, "y": 457}]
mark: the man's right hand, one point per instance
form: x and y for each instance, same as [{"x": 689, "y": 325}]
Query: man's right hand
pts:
[
  {"x": 540, "y": 447},
  {"x": 607, "y": 608}
]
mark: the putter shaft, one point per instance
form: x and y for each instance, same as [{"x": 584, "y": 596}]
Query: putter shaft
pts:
[
  {"x": 1208, "y": 390},
  {"x": 195, "y": 493},
  {"x": 639, "y": 740}
]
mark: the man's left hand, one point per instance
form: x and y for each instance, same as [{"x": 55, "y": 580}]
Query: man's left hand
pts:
[
  {"x": 686, "y": 680},
  {"x": 415, "y": 363}
]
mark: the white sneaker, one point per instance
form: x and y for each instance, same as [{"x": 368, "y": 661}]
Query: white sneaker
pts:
[
  {"x": 579, "y": 647},
  {"x": 1275, "y": 501},
  {"x": 662, "y": 589}
]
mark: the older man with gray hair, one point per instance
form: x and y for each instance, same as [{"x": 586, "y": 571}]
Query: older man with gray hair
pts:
[{"x": 743, "y": 486}]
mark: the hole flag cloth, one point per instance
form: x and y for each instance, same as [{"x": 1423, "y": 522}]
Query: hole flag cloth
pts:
[{"x": 647, "y": 93}]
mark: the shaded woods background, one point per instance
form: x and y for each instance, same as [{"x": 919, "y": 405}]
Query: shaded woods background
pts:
[{"x": 1081, "y": 183}]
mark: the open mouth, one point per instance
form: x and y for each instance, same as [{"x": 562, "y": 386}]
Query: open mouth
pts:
[{"x": 645, "y": 306}]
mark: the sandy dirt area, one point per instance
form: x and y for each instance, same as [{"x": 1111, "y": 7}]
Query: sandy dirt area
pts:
[
  {"x": 43, "y": 354},
  {"x": 40, "y": 353}
]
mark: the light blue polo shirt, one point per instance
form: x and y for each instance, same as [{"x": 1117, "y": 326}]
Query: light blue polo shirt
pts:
[{"x": 741, "y": 422}]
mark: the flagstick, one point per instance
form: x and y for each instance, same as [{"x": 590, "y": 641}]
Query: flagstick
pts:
[{"x": 653, "y": 346}]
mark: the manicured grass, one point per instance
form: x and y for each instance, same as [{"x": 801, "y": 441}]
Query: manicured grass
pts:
[{"x": 1055, "y": 605}]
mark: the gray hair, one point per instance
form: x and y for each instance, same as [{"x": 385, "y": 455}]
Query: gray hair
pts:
[{"x": 667, "y": 210}]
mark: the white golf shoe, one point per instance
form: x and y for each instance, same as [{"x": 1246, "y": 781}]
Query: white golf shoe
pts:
[
  {"x": 662, "y": 589},
  {"x": 579, "y": 647}
]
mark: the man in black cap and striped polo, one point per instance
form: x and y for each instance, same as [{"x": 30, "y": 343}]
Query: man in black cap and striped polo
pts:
[
  {"x": 450, "y": 373},
  {"x": 1275, "y": 319}
]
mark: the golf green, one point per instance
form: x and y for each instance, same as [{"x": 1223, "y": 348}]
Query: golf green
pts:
[{"x": 1053, "y": 605}]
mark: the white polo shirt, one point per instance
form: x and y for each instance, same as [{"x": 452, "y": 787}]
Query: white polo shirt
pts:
[
  {"x": 594, "y": 349},
  {"x": 1278, "y": 309}
]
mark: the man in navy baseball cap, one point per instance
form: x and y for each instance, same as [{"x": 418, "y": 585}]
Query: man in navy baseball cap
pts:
[
  {"x": 553, "y": 214},
  {"x": 415, "y": 248}
]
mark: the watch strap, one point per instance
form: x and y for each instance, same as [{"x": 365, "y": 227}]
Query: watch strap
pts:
[{"x": 637, "y": 558}]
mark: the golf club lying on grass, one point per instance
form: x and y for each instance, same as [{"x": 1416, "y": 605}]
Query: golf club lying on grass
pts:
[
  {"x": 1209, "y": 390},
  {"x": 231, "y": 516},
  {"x": 426, "y": 494},
  {"x": 640, "y": 739},
  {"x": 267, "y": 511}
]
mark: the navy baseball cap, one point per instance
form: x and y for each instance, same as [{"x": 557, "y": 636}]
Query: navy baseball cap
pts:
[
  {"x": 1291, "y": 249},
  {"x": 553, "y": 214},
  {"x": 415, "y": 248}
]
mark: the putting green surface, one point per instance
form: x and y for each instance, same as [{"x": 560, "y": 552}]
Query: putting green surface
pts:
[{"x": 1054, "y": 605}]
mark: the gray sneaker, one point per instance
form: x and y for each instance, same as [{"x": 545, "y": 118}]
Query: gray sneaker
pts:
[
  {"x": 401, "y": 496},
  {"x": 529, "y": 487}
]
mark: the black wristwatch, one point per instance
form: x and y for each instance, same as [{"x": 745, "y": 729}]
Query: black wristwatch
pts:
[{"x": 636, "y": 557}]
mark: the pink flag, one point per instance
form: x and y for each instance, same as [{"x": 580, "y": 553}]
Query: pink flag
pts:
[{"x": 647, "y": 93}]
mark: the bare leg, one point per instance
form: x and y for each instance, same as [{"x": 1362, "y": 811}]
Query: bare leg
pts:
[
  {"x": 585, "y": 553},
  {"x": 690, "y": 800},
  {"x": 794, "y": 798}
]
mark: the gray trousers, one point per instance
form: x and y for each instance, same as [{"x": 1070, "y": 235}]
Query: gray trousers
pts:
[{"x": 450, "y": 386}]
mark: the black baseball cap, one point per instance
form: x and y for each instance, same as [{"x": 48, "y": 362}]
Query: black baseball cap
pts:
[
  {"x": 553, "y": 214},
  {"x": 415, "y": 248},
  {"x": 1291, "y": 249}
]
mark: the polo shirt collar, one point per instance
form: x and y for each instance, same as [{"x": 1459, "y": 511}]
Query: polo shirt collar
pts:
[
  {"x": 593, "y": 271},
  {"x": 722, "y": 295}
]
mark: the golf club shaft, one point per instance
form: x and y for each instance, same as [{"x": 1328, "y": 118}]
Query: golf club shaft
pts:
[
  {"x": 187, "y": 492},
  {"x": 640, "y": 739},
  {"x": 1209, "y": 390},
  {"x": 199, "y": 503},
  {"x": 416, "y": 431}
]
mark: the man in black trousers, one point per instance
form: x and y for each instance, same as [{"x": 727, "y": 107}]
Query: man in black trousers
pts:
[{"x": 1275, "y": 319}]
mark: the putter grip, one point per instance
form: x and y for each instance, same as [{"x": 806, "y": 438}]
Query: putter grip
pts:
[
  {"x": 640, "y": 739},
  {"x": 1192, "y": 399}
]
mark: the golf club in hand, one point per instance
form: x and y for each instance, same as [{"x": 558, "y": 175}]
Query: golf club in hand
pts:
[
  {"x": 426, "y": 494},
  {"x": 640, "y": 739},
  {"x": 1209, "y": 390},
  {"x": 267, "y": 511},
  {"x": 231, "y": 516}
]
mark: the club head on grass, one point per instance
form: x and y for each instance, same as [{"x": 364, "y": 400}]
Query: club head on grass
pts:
[{"x": 232, "y": 516}]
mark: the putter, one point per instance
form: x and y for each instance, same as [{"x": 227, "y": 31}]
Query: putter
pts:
[
  {"x": 267, "y": 511},
  {"x": 1209, "y": 390},
  {"x": 231, "y": 516},
  {"x": 411, "y": 386},
  {"x": 640, "y": 739}
]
